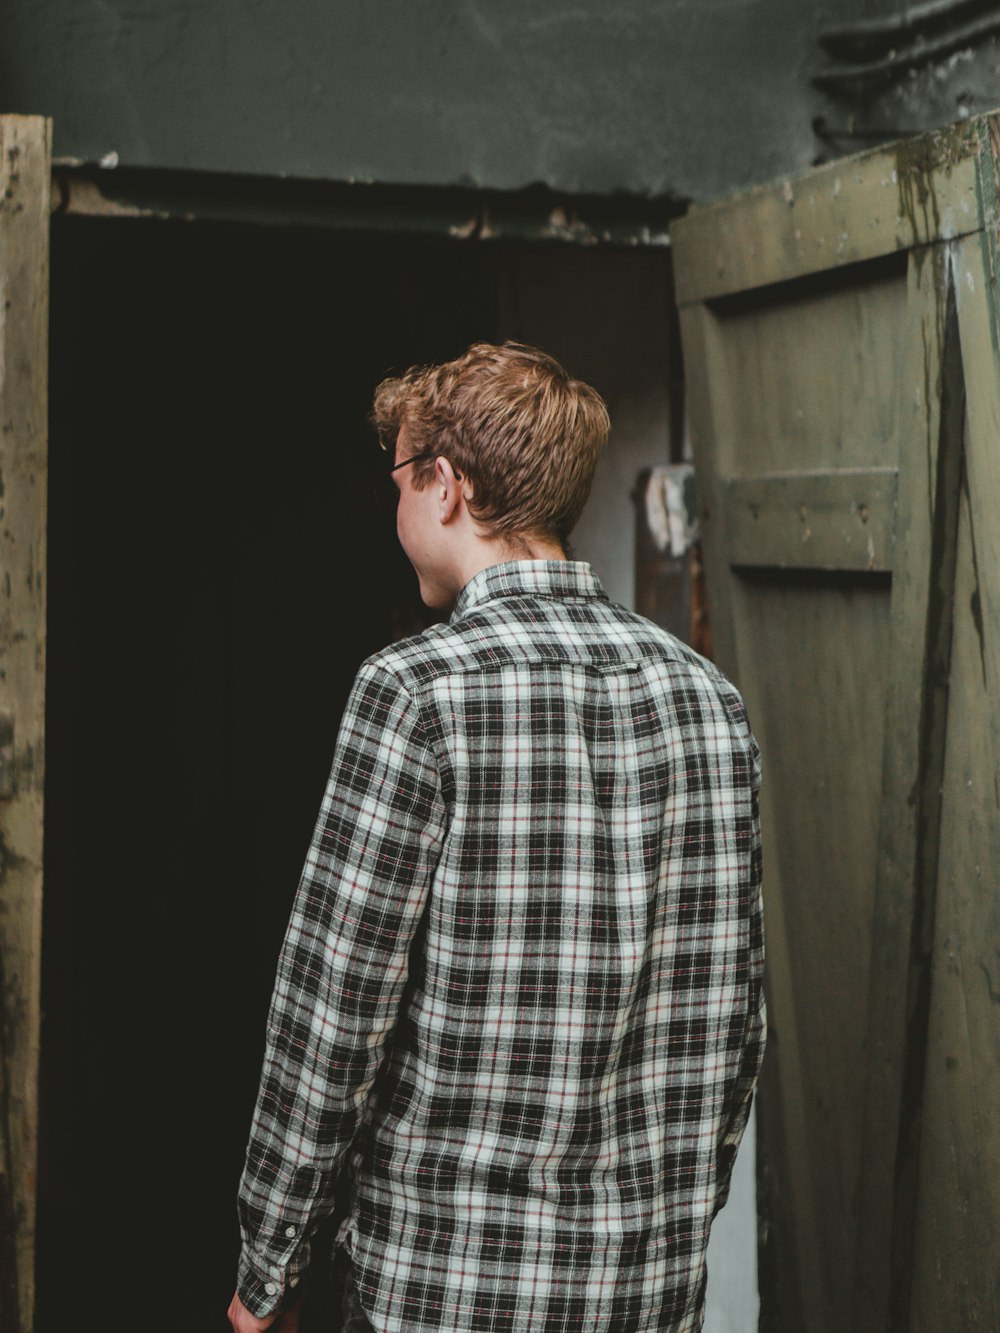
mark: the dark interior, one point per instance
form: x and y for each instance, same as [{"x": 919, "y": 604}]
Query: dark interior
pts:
[{"x": 218, "y": 569}]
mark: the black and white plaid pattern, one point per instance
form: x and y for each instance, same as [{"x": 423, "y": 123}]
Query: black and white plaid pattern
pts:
[{"x": 522, "y": 976}]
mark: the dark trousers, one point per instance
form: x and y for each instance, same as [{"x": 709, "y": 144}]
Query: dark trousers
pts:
[
  {"x": 332, "y": 1304},
  {"x": 352, "y": 1318}
]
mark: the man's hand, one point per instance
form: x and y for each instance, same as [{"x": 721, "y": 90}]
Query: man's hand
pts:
[{"x": 244, "y": 1322}]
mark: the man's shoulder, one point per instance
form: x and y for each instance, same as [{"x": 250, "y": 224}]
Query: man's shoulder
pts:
[
  {"x": 419, "y": 659},
  {"x": 499, "y": 635},
  {"x": 685, "y": 663}
]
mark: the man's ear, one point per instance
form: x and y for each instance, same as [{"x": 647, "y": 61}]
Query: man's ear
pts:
[{"x": 448, "y": 488}]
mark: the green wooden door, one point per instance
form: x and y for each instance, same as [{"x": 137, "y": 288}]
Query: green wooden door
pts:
[
  {"x": 25, "y": 165},
  {"x": 840, "y": 337}
]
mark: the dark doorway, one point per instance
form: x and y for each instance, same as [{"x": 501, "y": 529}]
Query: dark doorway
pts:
[{"x": 217, "y": 571}]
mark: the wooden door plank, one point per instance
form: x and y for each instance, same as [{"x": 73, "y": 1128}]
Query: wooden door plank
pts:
[
  {"x": 916, "y": 702},
  {"x": 821, "y": 751},
  {"x": 770, "y": 394},
  {"x": 956, "y": 1269},
  {"x": 25, "y": 166},
  {"x": 813, "y": 520},
  {"x": 715, "y": 425},
  {"x": 888, "y": 199},
  {"x": 956, "y": 1275}
]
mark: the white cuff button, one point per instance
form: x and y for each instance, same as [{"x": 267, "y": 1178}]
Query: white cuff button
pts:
[
  {"x": 270, "y": 1288},
  {"x": 289, "y": 1232}
]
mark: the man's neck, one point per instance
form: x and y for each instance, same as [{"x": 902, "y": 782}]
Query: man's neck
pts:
[{"x": 502, "y": 549}]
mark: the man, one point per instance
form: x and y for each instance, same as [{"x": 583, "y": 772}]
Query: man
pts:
[{"x": 521, "y": 985}]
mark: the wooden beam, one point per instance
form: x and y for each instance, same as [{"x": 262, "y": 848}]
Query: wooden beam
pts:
[
  {"x": 813, "y": 520},
  {"x": 25, "y": 165},
  {"x": 463, "y": 214},
  {"x": 908, "y": 194}
]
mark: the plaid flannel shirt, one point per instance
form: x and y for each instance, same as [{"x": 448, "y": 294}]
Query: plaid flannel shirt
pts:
[{"x": 521, "y": 984}]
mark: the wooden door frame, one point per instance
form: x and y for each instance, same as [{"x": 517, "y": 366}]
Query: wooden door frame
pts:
[
  {"x": 33, "y": 188},
  {"x": 25, "y": 173}
]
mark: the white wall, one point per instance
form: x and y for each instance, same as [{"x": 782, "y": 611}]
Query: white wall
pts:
[{"x": 605, "y": 316}]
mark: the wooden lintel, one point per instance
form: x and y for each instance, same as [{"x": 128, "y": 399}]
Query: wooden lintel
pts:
[{"x": 461, "y": 213}]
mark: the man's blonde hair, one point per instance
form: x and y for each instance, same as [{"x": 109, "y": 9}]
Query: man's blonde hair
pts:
[{"x": 511, "y": 420}]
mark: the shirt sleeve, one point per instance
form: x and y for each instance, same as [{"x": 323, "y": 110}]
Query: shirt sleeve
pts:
[
  {"x": 340, "y": 977},
  {"x": 754, "y": 1033}
]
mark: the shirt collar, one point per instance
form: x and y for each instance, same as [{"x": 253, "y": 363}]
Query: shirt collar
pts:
[{"x": 566, "y": 580}]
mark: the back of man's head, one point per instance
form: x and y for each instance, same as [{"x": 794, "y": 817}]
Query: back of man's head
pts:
[{"x": 512, "y": 421}]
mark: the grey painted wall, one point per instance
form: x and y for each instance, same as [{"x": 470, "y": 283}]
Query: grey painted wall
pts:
[
  {"x": 680, "y": 97},
  {"x": 580, "y": 94}
]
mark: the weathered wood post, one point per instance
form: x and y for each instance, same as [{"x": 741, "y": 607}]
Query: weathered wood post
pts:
[{"x": 25, "y": 166}]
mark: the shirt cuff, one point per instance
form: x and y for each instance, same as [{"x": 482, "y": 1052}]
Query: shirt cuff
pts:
[{"x": 268, "y": 1288}]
